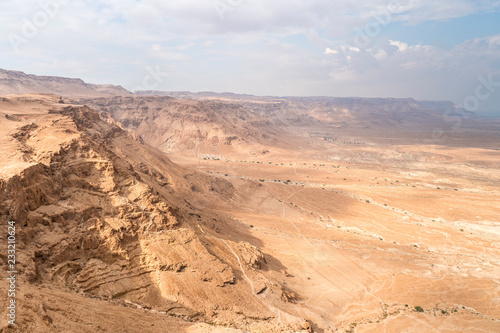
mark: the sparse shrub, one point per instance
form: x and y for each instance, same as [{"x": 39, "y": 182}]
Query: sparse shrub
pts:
[{"x": 418, "y": 308}]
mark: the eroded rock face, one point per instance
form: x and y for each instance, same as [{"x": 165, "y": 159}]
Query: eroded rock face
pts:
[
  {"x": 183, "y": 126},
  {"x": 93, "y": 222}
]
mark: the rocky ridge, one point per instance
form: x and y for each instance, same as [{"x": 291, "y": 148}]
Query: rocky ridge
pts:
[
  {"x": 102, "y": 215},
  {"x": 16, "y": 82}
]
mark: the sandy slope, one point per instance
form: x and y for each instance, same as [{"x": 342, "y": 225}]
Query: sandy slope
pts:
[
  {"x": 363, "y": 241},
  {"x": 299, "y": 234},
  {"x": 103, "y": 219}
]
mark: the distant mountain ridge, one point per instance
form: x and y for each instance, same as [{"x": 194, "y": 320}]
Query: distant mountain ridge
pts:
[
  {"x": 217, "y": 122},
  {"x": 183, "y": 125},
  {"x": 404, "y": 114},
  {"x": 16, "y": 82},
  {"x": 443, "y": 107}
]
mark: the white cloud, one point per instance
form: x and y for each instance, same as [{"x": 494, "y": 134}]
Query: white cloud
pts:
[
  {"x": 400, "y": 45},
  {"x": 331, "y": 51},
  {"x": 380, "y": 54},
  {"x": 494, "y": 41}
]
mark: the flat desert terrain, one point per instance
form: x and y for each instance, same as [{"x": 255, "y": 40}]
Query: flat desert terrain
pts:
[
  {"x": 364, "y": 234},
  {"x": 242, "y": 225}
]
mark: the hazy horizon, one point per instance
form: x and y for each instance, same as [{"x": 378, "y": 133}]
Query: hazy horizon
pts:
[
  {"x": 493, "y": 114},
  {"x": 401, "y": 49}
]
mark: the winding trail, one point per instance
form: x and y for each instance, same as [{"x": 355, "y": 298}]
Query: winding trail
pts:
[
  {"x": 242, "y": 269},
  {"x": 270, "y": 308}
]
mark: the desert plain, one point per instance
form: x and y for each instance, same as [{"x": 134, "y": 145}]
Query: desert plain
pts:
[{"x": 157, "y": 213}]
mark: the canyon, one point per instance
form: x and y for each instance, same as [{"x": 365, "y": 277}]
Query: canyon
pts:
[{"x": 204, "y": 212}]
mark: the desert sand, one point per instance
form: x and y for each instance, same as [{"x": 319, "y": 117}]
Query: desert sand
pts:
[{"x": 155, "y": 214}]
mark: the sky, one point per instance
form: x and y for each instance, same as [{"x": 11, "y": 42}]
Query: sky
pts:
[{"x": 424, "y": 49}]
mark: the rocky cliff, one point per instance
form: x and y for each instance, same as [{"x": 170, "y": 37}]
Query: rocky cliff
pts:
[
  {"x": 203, "y": 127},
  {"x": 107, "y": 220}
]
